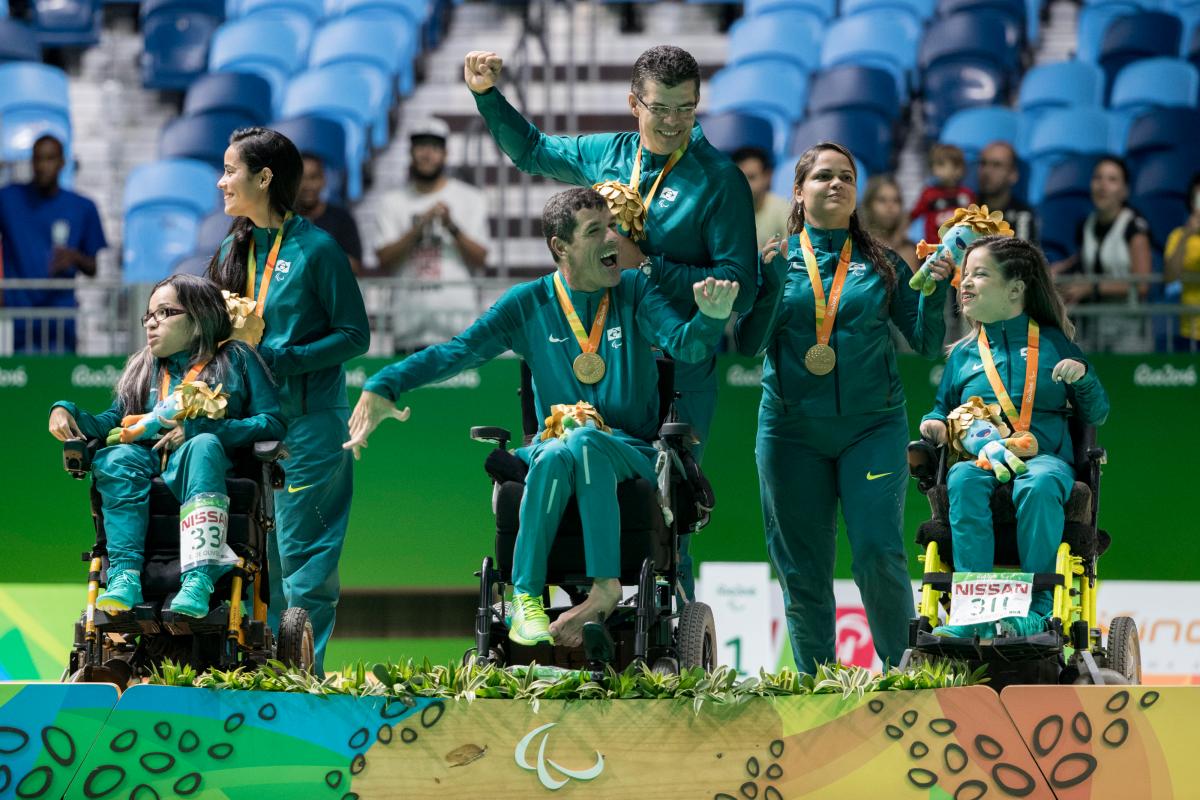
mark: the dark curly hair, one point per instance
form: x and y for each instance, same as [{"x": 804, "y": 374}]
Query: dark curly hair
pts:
[{"x": 665, "y": 64}]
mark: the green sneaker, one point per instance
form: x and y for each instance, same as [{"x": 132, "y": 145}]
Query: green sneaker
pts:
[
  {"x": 984, "y": 630},
  {"x": 192, "y": 599},
  {"x": 529, "y": 623},
  {"x": 124, "y": 591},
  {"x": 1023, "y": 626}
]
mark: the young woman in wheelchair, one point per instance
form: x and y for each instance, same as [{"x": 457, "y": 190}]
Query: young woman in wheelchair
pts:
[
  {"x": 187, "y": 332},
  {"x": 1019, "y": 332}
]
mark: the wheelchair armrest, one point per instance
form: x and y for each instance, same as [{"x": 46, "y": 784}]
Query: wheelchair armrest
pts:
[
  {"x": 78, "y": 455},
  {"x": 1097, "y": 455},
  {"x": 269, "y": 451},
  {"x": 675, "y": 430},
  {"x": 490, "y": 433},
  {"x": 923, "y": 459}
]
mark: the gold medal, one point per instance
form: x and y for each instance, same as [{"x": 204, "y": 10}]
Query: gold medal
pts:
[
  {"x": 588, "y": 368},
  {"x": 626, "y": 202},
  {"x": 820, "y": 359}
]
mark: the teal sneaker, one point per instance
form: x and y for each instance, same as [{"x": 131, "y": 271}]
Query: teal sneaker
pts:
[
  {"x": 1023, "y": 626},
  {"x": 124, "y": 591},
  {"x": 192, "y": 599},
  {"x": 984, "y": 630},
  {"x": 529, "y": 624}
]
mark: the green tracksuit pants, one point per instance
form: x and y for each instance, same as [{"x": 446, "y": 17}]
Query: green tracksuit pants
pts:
[{"x": 806, "y": 465}]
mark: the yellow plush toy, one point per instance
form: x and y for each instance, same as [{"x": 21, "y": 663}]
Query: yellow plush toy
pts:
[
  {"x": 567, "y": 417},
  {"x": 976, "y": 430},
  {"x": 956, "y": 234}
]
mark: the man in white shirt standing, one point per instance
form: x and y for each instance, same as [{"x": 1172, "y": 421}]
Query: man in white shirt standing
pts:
[{"x": 433, "y": 233}]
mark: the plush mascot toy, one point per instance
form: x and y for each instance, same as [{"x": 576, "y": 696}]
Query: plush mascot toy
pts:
[
  {"x": 977, "y": 430},
  {"x": 956, "y": 234},
  {"x": 565, "y": 418},
  {"x": 188, "y": 401}
]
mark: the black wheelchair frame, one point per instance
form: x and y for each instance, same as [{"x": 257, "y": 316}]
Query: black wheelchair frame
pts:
[
  {"x": 116, "y": 647},
  {"x": 1072, "y": 649},
  {"x": 649, "y": 629}
]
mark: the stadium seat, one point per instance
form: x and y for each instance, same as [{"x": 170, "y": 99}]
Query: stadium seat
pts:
[
  {"x": 341, "y": 96},
  {"x": 784, "y": 180},
  {"x": 381, "y": 95},
  {"x": 301, "y": 26},
  {"x": 789, "y": 35},
  {"x": 1058, "y": 220},
  {"x": 952, "y": 86},
  {"x": 919, "y": 9},
  {"x": 1163, "y": 130},
  {"x": 972, "y": 129},
  {"x": 203, "y": 137},
  {"x": 326, "y": 140},
  {"x": 68, "y": 23},
  {"x": 195, "y": 264},
  {"x": 1070, "y": 177},
  {"x": 851, "y": 86},
  {"x": 1013, "y": 12},
  {"x": 259, "y": 46},
  {"x": 863, "y": 133},
  {"x": 1191, "y": 48},
  {"x": 856, "y": 40},
  {"x": 212, "y": 231},
  {"x": 389, "y": 45},
  {"x": 1132, "y": 38},
  {"x": 164, "y": 202},
  {"x": 33, "y": 102},
  {"x": 823, "y": 9},
  {"x": 1168, "y": 82},
  {"x": 239, "y": 92},
  {"x": 1060, "y": 132},
  {"x": 175, "y": 37},
  {"x": 966, "y": 60},
  {"x": 732, "y": 130},
  {"x": 1093, "y": 22},
  {"x": 775, "y": 90},
  {"x": 1063, "y": 83},
  {"x": 18, "y": 42},
  {"x": 1160, "y": 191},
  {"x": 419, "y": 13},
  {"x": 313, "y": 10}
]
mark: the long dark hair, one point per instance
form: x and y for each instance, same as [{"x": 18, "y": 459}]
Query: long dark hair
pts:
[
  {"x": 871, "y": 247},
  {"x": 259, "y": 148},
  {"x": 209, "y": 318},
  {"x": 1018, "y": 258}
]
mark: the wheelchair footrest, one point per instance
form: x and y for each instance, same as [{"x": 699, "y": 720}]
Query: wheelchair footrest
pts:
[
  {"x": 216, "y": 621},
  {"x": 1004, "y": 648}
]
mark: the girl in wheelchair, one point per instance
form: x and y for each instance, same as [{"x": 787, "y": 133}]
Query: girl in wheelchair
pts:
[
  {"x": 1020, "y": 347},
  {"x": 187, "y": 339}
]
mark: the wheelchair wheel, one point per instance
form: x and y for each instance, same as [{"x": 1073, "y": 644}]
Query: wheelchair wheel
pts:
[
  {"x": 1124, "y": 650},
  {"x": 697, "y": 637},
  {"x": 296, "y": 641}
]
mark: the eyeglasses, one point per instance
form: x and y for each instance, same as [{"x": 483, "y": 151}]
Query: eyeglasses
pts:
[
  {"x": 661, "y": 111},
  {"x": 161, "y": 315}
]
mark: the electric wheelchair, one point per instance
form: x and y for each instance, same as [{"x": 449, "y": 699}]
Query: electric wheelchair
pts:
[
  {"x": 657, "y": 626},
  {"x": 1072, "y": 648},
  {"x": 120, "y": 646}
]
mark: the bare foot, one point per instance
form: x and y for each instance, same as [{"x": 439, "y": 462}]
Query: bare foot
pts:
[{"x": 567, "y": 630}]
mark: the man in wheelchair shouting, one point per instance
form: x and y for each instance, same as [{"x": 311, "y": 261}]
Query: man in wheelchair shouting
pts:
[
  {"x": 1019, "y": 349},
  {"x": 586, "y": 332}
]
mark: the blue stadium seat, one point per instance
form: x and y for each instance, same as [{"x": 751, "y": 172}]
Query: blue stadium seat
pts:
[
  {"x": 164, "y": 202},
  {"x": 1093, "y": 22},
  {"x": 240, "y": 92},
  {"x": 301, "y": 26},
  {"x": 823, "y": 9},
  {"x": 1061, "y": 132},
  {"x": 419, "y": 13},
  {"x": 1162, "y": 130},
  {"x": 381, "y": 95},
  {"x": 68, "y": 23},
  {"x": 919, "y": 9},
  {"x": 1013, "y": 12},
  {"x": 775, "y": 90},
  {"x": 322, "y": 137},
  {"x": 864, "y": 134},
  {"x": 1160, "y": 191},
  {"x": 212, "y": 231},
  {"x": 1070, "y": 177},
  {"x": 257, "y": 45},
  {"x": 17, "y": 42},
  {"x": 857, "y": 39},
  {"x": 783, "y": 181},
  {"x": 791, "y": 35},
  {"x": 344, "y": 98},
  {"x": 1058, "y": 220},
  {"x": 195, "y": 264},
  {"x": 972, "y": 129},
  {"x": 33, "y": 101},
  {"x": 1167, "y": 82},
  {"x": 1064, "y": 83},
  {"x": 203, "y": 137},
  {"x": 1191, "y": 48},
  {"x": 175, "y": 36},
  {"x": 732, "y": 130},
  {"x": 851, "y": 86},
  {"x": 967, "y": 60},
  {"x": 952, "y": 86},
  {"x": 389, "y": 45},
  {"x": 313, "y": 10},
  {"x": 1139, "y": 36}
]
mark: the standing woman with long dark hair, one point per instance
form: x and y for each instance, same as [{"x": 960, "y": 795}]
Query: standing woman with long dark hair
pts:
[
  {"x": 314, "y": 321},
  {"x": 832, "y": 424}
]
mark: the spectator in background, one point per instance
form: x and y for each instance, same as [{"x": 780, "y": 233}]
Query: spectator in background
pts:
[
  {"x": 998, "y": 174},
  {"x": 1183, "y": 255},
  {"x": 937, "y": 203},
  {"x": 47, "y": 232},
  {"x": 333, "y": 219},
  {"x": 1114, "y": 243},
  {"x": 433, "y": 231},
  {"x": 770, "y": 210},
  {"x": 883, "y": 216}
]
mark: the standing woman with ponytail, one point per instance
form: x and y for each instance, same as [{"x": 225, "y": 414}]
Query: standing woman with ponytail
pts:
[
  {"x": 314, "y": 321},
  {"x": 832, "y": 423}
]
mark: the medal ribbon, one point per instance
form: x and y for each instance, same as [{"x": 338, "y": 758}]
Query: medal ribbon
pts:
[
  {"x": 587, "y": 343},
  {"x": 636, "y": 178},
  {"x": 825, "y": 313},
  {"x": 268, "y": 268},
  {"x": 1019, "y": 421}
]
